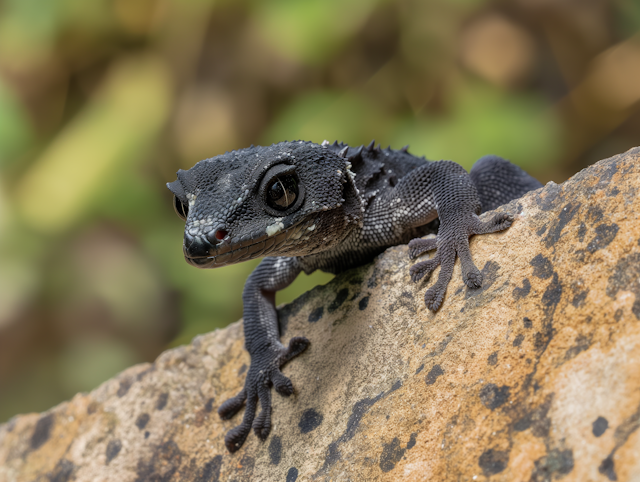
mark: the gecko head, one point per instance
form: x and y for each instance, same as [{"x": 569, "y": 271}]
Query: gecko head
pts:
[{"x": 287, "y": 199}]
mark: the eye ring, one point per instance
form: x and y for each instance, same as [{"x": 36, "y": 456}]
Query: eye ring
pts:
[{"x": 181, "y": 209}]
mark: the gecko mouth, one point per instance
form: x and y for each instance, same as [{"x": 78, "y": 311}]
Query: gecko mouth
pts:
[{"x": 227, "y": 253}]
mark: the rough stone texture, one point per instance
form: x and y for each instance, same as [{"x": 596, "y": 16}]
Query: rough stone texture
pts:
[{"x": 533, "y": 377}]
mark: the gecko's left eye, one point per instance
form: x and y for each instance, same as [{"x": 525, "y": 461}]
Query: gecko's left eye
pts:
[
  {"x": 181, "y": 209},
  {"x": 282, "y": 192}
]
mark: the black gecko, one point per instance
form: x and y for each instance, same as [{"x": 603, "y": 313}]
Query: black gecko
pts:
[{"x": 330, "y": 207}]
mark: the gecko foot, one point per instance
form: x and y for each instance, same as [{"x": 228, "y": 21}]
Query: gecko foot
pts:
[{"x": 263, "y": 373}]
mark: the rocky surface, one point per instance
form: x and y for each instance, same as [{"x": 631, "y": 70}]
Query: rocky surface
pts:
[{"x": 533, "y": 377}]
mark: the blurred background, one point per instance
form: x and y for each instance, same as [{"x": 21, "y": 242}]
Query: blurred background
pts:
[{"x": 101, "y": 102}]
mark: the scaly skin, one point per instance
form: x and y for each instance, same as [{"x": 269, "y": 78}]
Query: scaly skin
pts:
[{"x": 331, "y": 207}]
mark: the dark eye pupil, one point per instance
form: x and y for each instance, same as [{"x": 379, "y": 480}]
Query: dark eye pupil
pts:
[
  {"x": 283, "y": 192},
  {"x": 182, "y": 210}
]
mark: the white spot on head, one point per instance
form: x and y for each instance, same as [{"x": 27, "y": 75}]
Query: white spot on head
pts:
[{"x": 274, "y": 228}]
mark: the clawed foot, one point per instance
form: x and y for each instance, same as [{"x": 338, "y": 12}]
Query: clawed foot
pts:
[
  {"x": 451, "y": 242},
  {"x": 263, "y": 373}
]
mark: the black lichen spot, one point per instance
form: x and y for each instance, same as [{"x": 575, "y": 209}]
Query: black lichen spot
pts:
[
  {"x": 92, "y": 408},
  {"x": 392, "y": 453},
  {"x": 146, "y": 434},
  {"x": 493, "y": 461},
  {"x": 579, "y": 298},
  {"x": 396, "y": 386},
  {"x": 618, "y": 314},
  {"x": 493, "y": 396},
  {"x": 364, "y": 302},
  {"x": 62, "y": 472},
  {"x": 208, "y": 407},
  {"x": 310, "y": 420},
  {"x": 564, "y": 218},
  {"x": 607, "y": 468},
  {"x": 162, "y": 464},
  {"x": 162, "y": 401},
  {"x": 412, "y": 441},
  {"x": 542, "y": 267},
  {"x": 441, "y": 346},
  {"x": 275, "y": 450},
  {"x": 125, "y": 385},
  {"x": 553, "y": 293},
  {"x": 433, "y": 374},
  {"x": 582, "y": 344},
  {"x": 527, "y": 323},
  {"x": 113, "y": 449},
  {"x": 316, "y": 314},
  {"x": 519, "y": 293},
  {"x": 605, "y": 234},
  {"x": 42, "y": 431},
  {"x": 542, "y": 230},
  {"x": 142, "y": 420},
  {"x": 599, "y": 426},
  {"x": 582, "y": 231},
  {"x": 341, "y": 297},
  {"x": 242, "y": 369},
  {"x": 406, "y": 300},
  {"x": 536, "y": 419},
  {"x": 594, "y": 214},
  {"x": 549, "y": 197},
  {"x": 489, "y": 276},
  {"x": 492, "y": 360},
  {"x": 613, "y": 192},
  {"x": 518, "y": 340},
  {"x": 626, "y": 277},
  {"x": 292, "y": 475},
  {"x": 556, "y": 463},
  {"x": 419, "y": 368},
  {"x": 211, "y": 470}
]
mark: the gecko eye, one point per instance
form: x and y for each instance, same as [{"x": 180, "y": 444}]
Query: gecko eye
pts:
[
  {"x": 282, "y": 192},
  {"x": 181, "y": 209}
]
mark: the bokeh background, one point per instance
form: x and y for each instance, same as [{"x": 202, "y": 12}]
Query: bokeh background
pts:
[{"x": 101, "y": 101}]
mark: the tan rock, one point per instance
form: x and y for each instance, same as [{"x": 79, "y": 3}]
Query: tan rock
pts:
[{"x": 533, "y": 377}]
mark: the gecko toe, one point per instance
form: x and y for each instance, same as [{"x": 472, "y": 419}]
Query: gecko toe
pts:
[
  {"x": 282, "y": 384},
  {"x": 473, "y": 279},
  {"x": 418, "y": 246},
  {"x": 236, "y": 437},
  {"x": 262, "y": 425},
  {"x": 297, "y": 345},
  {"x": 232, "y": 406},
  {"x": 433, "y": 298}
]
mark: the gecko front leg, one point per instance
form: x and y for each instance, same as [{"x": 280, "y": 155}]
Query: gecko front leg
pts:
[{"x": 268, "y": 355}]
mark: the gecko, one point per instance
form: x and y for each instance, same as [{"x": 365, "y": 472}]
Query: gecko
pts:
[{"x": 305, "y": 206}]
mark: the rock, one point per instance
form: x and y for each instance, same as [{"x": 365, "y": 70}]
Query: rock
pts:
[{"x": 533, "y": 377}]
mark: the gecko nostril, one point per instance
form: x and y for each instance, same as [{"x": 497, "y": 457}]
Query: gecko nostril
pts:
[{"x": 216, "y": 235}]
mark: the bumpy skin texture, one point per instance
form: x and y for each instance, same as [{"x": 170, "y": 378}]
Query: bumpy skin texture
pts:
[{"x": 331, "y": 207}]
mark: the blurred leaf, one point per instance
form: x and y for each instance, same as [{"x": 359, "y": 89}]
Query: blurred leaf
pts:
[
  {"x": 485, "y": 121},
  {"x": 15, "y": 129},
  {"x": 312, "y": 30},
  {"x": 105, "y": 141},
  {"x": 85, "y": 363},
  {"x": 332, "y": 116},
  {"x": 27, "y": 26}
]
